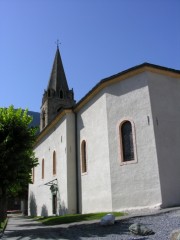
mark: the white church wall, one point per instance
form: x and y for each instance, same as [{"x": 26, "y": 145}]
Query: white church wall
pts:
[
  {"x": 39, "y": 206},
  {"x": 165, "y": 101},
  {"x": 94, "y": 185},
  {"x": 71, "y": 164},
  {"x": 56, "y": 141},
  {"x": 151, "y": 102},
  {"x": 136, "y": 184}
]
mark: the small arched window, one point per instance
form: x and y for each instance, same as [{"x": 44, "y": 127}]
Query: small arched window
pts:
[
  {"x": 61, "y": 94},
  {"x": 83, "y": 156},
  {"x": 126, "y": 131},
  {"x": 42, "y": 168},
  {"x": 54, "y": 163}
]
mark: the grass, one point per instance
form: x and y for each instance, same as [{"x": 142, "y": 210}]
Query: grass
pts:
[
  {"x": 54, "y": 220},
  {"x": 3, "y": 225}
]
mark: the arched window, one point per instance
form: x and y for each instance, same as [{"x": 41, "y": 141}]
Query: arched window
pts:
[
  {"x": 61, "y": 94},
  {"x": 54, "y": 163},
  {"x": 51, "y": 92},
  {"x": 126, "y": 131},
  {"x": 42, "y": 168},
  {"x": 83, "y": 156}
]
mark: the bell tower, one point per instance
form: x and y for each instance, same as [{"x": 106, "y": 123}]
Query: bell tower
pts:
[{"x": 57, "y": 95}]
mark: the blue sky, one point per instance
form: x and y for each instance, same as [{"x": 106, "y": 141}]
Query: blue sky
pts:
[{"x": 99, "y": 38}]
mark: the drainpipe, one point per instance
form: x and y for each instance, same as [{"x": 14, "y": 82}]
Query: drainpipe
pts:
[{"x": 77, "y": 172}]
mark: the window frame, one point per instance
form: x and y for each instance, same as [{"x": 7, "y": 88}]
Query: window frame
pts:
[{"x": 122, "y": 161}]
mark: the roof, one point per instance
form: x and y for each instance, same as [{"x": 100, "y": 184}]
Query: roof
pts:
[
  {"x": 55, "y": 120},
  {"x": 123, "y": 75},
  {"x": 106, "y": 82},
  {"x": 57, "y": 79}
]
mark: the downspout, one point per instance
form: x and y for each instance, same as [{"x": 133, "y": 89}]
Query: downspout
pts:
[{"x": 77, "y": 172}]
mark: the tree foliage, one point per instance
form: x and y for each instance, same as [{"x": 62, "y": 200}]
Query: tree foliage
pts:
[{"x": 16, "y": 149}]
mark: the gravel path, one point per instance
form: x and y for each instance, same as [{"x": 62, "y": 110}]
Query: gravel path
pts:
[{"x": 162, "y": 224}]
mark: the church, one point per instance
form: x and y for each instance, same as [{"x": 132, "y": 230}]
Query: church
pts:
[{"x": 115, "y": 149}]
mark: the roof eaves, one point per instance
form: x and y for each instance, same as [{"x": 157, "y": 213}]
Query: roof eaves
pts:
[
  {"x": 48, "y": 128},
  {"x": 128, "y": 72}
]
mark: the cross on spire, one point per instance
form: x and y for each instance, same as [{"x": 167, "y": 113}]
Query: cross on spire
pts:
[{"x": 57, "y": 43}]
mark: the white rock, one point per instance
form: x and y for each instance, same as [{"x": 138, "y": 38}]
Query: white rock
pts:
[
  {"x": 175, "y": 235},
  {"x": 108, "y": 219}
]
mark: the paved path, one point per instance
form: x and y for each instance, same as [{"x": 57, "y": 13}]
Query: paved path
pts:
[{"x": 24, "y": 228}]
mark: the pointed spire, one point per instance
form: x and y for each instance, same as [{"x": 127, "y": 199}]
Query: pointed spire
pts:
[
  {"x": 57, "y": 79},
  {"x": 57, "y": 96},
  {"x": 58, "y": 87}
]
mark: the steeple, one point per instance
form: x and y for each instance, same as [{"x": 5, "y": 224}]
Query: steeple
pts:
[
  {"x": 57, "y": 79},
  {"x": 57, "y": 95}
]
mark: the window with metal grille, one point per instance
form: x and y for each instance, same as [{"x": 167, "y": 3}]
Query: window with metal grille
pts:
[{"x": 127, "y": 141}]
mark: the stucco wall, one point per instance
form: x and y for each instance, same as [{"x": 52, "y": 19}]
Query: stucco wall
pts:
[
  {"x": 94, "y": 186},
  {"x": 71, "y": 164},
  {"x": 165, "y": 101},
  {"x": 151, "y": 102},
  {"x": 108, "y": 184},
  {"x": 55, "y": 140},
  {"x": 133, "y": 185}
]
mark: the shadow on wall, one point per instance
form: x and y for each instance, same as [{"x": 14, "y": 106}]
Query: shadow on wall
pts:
[
  {"x": 44, "y": 211},
  {"x": 33, "y": 205},
  {"x": 62, "y": 209}
]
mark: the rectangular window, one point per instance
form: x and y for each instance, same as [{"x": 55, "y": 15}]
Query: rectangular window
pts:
[
  {"x": 54, "y": 163},
  {"x": 43, "y": 169},
  {"x": 84, "y": 156}
]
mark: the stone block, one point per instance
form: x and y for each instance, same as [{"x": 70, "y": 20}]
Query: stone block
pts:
[
  {"x": 140, "y": 229},
  {"x": 108, "y": 219}
]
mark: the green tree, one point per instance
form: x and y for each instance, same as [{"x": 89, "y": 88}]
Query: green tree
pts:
[{"x": 16, "y": 153}]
